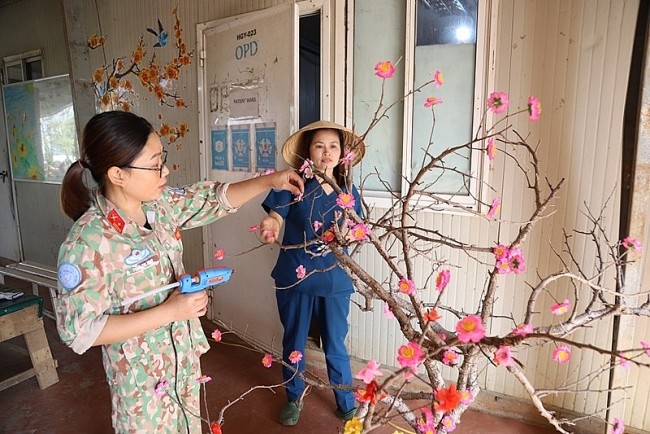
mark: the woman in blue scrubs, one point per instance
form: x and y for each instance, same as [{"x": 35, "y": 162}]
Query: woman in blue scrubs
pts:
[{"x": 307, "y": 278}]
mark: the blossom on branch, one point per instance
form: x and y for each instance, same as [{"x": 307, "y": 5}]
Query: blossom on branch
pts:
[
  {"x": 443, "y": 279},
  {"x": 450, "y": 357},
  {"x": 295, "y": 356},
  {"x": 646, "y": 347},
  {"x": 369, "y": 394},
  {"x": 438, "y": 78},
  {"x": 267, "y": 360},
  {"x": 498, "y": 102},
  {"x": 432, "y": 100},
  {"x": 534, "y": 108},
  {"x": 204, "y": 379},
  {"x": 618, "y": 426},
  {"x": 632, "y": 244},
  {"x": 431, "y": 315},
  {"x": 523, "y": 330},
  {"x": 384, "y": 69},
  {"x": 216, "y": 335},
  {"x": 219, "y": 254},
  {"x": 447, "y": 399},
  {"x": 369, "y": 373},
  {"x": 494, "y": 207},
  {"x": 448, "y": 423},
  {"x": 410, "y": 355},
  {"x": 345, "y": 200},
  {"x": 348, "y": 158},
  {"x": 353, "y": 426},
  {"x": 301, "y": 272},
  {"x": 406, "y": 286},
  {"x": 306, "y": 169},
  {"x": 562, "y": 354},
  {"x": 491, "y": 149},
  {"x": 503, "y": 356},
  {"x": 470, "y": 329},
  {"x": 360, "y": 232},
  {"x": 561, "y": 308}
]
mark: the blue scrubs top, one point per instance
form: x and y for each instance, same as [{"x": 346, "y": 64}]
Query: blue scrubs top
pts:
[{"x": 299, "y": 218}]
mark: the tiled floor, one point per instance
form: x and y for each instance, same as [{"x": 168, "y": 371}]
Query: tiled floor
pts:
[{"x": 79, "y": 403}]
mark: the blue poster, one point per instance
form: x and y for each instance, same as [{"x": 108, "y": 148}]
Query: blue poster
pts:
[
  {"x": 265, "y": 145},
  {"x": 241, "y": 147},
  {"x": 219, "y": 140}
]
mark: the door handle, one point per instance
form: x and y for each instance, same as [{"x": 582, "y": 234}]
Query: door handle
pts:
[{"x": 4, "y": 175}]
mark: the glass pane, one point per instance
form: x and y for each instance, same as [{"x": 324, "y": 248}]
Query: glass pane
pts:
[
  {"x": 14, "y": 73},
  {"x": 34, "y": 69},
  {"x": 446, "y": 41}
]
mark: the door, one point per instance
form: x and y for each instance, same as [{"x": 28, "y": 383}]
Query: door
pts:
[{"x": 248, "y": 98}]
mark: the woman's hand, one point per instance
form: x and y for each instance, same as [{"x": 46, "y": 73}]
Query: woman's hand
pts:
[
  {"x": 287, "y": 179},
  {"x": 186, "y": 306},
  {"x": 270, "y": 229}
]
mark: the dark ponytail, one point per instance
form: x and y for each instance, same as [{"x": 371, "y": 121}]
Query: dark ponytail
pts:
[{"x": 110, "y": 139}]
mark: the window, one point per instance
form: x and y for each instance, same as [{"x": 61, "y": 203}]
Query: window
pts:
[
  {"x": 23, "y": 67},
  {"x": 421, "y": 36}
]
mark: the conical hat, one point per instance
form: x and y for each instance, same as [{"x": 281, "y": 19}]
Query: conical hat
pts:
[{"x": 291, "y": 147}]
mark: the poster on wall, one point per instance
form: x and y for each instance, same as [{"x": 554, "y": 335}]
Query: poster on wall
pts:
[
  {"x": 265, "y": 146},
  {"x": 41, "y": 128},
  {"x": 244, "y": 102},
  {"x": 219, "y": 141},
  {"x": 241, "y": 147}
]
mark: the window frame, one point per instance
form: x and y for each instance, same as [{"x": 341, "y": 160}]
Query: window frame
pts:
[
  {"x": 23, "y": 59},
  {"x": 484, "y": 79}
]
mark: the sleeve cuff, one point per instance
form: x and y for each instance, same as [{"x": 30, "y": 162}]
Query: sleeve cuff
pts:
[
  {"x": 88, "y": 335},
  {"x": 222, "y": 189}
]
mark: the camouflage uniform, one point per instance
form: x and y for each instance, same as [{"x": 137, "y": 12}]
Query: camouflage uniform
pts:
[{"x": 108, "y": 258}]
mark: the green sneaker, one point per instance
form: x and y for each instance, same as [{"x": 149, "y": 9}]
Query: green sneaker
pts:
[
  {"x": 290, "y": 413},
  {"x": 347, "y": 415}
]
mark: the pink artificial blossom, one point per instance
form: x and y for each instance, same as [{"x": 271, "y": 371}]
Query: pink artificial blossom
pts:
[
  {"x": 216, "y": 335},
  {"x": 466, "y": 397},
  {"x": 624, "y": 362},
  {"x": 432, "y": 100},
  {"x": 161, "y": 388},
  {"x": 295, "y": 356},
  {"x": 646, "y": 347},
  {"x": 503, "y": 356},
  {"x": 219, "y": 254},
  {"x": 491, "y": 149},
  {"x": 517, "y": 261},
  {"x": 503, "y": 267},
  {"x": 267, "y": 360},
  {"x": 306, "y": 169},
  {"x": 426, "y": 423},
  {"x": 317, "y": 225},
  {"x": 386, "y": 310},
  {"x": 534, "y": 108},
  {"x": 384, "y": 69},
  {"x": 523, "y": 330},
  {"x": 438, "y": 78},
  {"x": 204, "y": 379},
  {"x": 632, "y": 244},
  {"x": 360, "y": 232},
  {"x": 450, "y": 357},
  {"x": 406, "y": 286},
  {"x": 562, "y": 354},
  {"x": 496, "y": 204},
  {"x": 561, "y": 308},
  {"x": 448, "y": 423},
  {"x": 470, "y": 329},
  {"x": 410, "y": 355},
  {"x": 301, "y": 272},
  {"x": 443, "y": 280},
  {"x": 370, "y": 371},
  {"x": 618, "y": 426},
  {"x": 348, "y": 158},
  {"x": 498, "y": 102},
  {"x": 253, "y": 228},
  {"x": 500, "y": 251},
  {"x": 345, "y": 200}
]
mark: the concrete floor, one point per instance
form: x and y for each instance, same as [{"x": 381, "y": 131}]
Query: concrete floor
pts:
[{"x": 79, "y": 403}]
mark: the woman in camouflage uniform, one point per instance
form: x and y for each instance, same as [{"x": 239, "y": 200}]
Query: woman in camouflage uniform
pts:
[{"x": 126, "y": 241}]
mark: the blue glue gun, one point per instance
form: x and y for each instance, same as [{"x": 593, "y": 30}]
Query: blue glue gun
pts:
[{"x": 204, "y": 279}]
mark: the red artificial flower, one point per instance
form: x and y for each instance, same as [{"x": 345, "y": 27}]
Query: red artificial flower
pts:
[
  {"x": 447, "y": 399},
  {"x": 215, "y": 428}
]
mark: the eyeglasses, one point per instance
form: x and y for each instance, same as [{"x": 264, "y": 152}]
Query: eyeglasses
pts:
[{"x": 157, "y": 169}]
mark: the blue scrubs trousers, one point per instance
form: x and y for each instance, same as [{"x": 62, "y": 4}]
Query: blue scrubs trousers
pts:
[{"x": 296, "y": 309}]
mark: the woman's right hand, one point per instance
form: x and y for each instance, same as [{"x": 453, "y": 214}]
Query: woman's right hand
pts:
[{"x": 186, "y": 306}]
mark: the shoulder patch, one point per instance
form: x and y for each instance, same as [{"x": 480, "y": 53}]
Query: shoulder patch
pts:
[{"x": 69, "y": 276}]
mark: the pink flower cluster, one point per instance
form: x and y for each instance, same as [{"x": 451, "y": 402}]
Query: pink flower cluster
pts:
[
  {"x": 410, "y": 356},
  {"x": 509, "y": 260}
]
